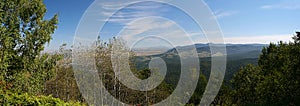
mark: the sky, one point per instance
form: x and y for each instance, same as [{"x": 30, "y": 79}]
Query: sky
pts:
[{"x": 241, "y": 21}]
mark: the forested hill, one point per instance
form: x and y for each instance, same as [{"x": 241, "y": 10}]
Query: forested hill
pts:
[
  {"x": 238, "y": 55},
  {"x": 234, "y": 51}
]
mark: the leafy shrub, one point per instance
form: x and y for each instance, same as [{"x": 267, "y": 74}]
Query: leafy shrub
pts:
[{"x": 24, "y": 99}]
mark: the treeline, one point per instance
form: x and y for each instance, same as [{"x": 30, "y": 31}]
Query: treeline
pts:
[
  {"x": 24, "y": 70},
  {"x": 273, "y": 82}
]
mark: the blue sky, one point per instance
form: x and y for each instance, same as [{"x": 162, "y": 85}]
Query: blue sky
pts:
[{"x": 242, "y": 21}]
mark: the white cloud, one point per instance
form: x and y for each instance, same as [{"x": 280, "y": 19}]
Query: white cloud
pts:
[
  {"x": 145, "y": 25},
  {"x": 132, "y": 12},
  {"x": 221, "y": 14},
  {"x": 158, "y": 27},
  {"x": 290, "y": 5},
  {"x": 113, "y": 5},
  {"x": 170, "y": 31},
  {"x": 259, "y": 39}
]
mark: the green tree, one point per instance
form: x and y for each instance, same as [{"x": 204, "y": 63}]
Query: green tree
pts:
[
  {"x": 63, "y": 85},
  {"x": 275, "y": 81},
  {"x": 23, "y": 34},
  {"x": 244, "y": 84},
  {"x": 115, "y": 87},
  {"x": 201, "y": 85}
]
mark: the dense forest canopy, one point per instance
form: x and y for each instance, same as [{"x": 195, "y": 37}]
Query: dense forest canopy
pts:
[
  {"x": 24, "y": 70},
  {"x": 274, "y": 81},
  {"x": 24, "y": 32}
]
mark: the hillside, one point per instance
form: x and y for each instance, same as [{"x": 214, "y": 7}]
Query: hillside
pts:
[{"x": 238, "y": 55}]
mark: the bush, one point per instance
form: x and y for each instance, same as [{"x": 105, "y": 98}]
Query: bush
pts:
[{"x": 24, "y": 99}]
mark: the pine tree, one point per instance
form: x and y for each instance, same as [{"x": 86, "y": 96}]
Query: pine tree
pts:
[{"x": 23, "y": 34}]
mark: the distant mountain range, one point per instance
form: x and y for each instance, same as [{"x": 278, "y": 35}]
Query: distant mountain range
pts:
[
  {"x": 234, "y": 51},
  {"x": 238, "y": 55}
]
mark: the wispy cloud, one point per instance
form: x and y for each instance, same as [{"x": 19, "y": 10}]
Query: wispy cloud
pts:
[
  {"x": 159, "y": 27},
  {"x": 221, "y": 13},
  {"x": 125, "y": 17},
  {"x": 266, "y": 39},
  {"x": 125, "y": 14},
  {"x": 113, "y": 5},
  {"x": 290, "y": 5},
  {"x": 145, "y": 25}
]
